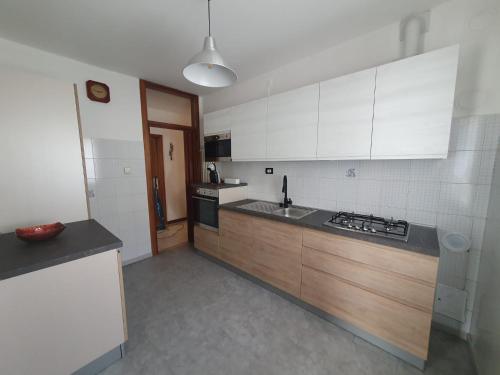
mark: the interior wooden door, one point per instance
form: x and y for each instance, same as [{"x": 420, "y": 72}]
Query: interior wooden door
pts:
[{"x": 158, "y": 172}]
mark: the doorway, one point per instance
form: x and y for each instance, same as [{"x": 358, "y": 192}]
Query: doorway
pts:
[
  {"x": 173, "y": 162},
  {"x": 168, "y": 167}
]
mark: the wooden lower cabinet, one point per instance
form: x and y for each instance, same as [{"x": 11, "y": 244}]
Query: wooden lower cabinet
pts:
[
  {"x": 206, "y": 240},
  {"x": 266, "y": 249},
  {"x": 398, "y": 324},
  {"x": 416, "y": 266},
  {"x": 384, "y": 291},
  {"x": 404, "y": 290}
]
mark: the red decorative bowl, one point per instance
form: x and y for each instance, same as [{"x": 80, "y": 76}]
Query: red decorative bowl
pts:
[{"x": 40, "y": 232}]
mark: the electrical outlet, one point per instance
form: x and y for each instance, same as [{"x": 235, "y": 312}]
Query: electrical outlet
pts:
[{"x": 269, "y": 171}]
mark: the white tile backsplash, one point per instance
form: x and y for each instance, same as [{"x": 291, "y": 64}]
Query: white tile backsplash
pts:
[
  {"x": 424, "y": 195},
  {"x": 461, "y": 167},
  {"x": 119, "y": 200},
  {"x": 452, "y": 193},
  {"x": 457, "y": 199}
]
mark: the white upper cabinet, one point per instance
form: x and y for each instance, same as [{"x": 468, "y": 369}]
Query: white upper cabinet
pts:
[
  {"x": 292, "y": 124},
  {"x": 218, "y": 121},
  {"x": 248, "y": 131},
  {"x": 345, "y": 116},
  {"x": 414, "y": 106}
]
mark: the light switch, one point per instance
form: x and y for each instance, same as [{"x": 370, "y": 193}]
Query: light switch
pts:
[{"x": 127, "y": 170}]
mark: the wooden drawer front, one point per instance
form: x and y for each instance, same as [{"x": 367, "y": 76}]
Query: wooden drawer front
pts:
[
  {"x": 278, "y": 267},
  {"x": 206, "y": 241},
  {"x": 420, "y": 267},
  {"x": 398, "y": 324},
  {"x": 384, "y": 283},
  {"x": 235, "y": 222},
  {"x": 278, "y": 234},
  {"x": 236, "y": 250}
]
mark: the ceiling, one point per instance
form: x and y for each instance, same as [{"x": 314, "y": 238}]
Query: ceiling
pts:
[{"x": 153, "y": 39}]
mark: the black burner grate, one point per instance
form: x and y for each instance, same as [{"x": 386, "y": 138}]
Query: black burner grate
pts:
[{"x": 371, "y": 225}]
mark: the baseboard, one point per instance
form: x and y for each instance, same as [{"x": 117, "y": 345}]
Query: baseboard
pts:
[
  {"x": 136, "y": 259},
  {"x": 99, "y": 364},
  {"x": 472, "y": 354}
]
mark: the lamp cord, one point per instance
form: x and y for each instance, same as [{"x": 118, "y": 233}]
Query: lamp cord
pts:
[{"x": 209, "y": 28}]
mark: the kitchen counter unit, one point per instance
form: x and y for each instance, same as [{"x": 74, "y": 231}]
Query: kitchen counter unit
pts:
[
  {"x": 422, "y": 240},
  {"x": 80, "y": 239},
  {"x": 380, "y": 289},
  {"x": 208, "y": 185},
  {"x": 63, "y": 306}
]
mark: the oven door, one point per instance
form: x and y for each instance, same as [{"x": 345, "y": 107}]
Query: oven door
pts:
[{"x": 206, "y": 211}]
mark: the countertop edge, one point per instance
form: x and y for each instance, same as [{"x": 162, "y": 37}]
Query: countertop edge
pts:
[
  {"x": 61, "y": 260},
  {"x": 221, "y": 186},
  {"x": 432, "y": 253}
]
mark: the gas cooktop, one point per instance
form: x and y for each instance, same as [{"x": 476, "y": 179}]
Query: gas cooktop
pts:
[{"x": 370, "y": 225}]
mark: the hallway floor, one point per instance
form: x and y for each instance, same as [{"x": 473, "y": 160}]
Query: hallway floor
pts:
[
  {"x": 174, "y": 235},
  {"x": 189, "y": 316}
]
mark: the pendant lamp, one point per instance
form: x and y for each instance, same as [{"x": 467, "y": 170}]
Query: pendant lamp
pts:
[{"x": 208, "y": 68}]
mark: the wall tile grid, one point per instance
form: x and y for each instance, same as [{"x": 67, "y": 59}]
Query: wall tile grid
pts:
[
  {"x": 451, "y": 193},
  {"x": 118, "y": 199}
]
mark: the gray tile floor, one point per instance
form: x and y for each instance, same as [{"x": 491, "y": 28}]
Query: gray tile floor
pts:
[{"x": 187, "y": 315}]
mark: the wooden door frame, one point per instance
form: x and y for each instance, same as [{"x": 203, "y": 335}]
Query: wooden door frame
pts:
[
  {"x": 192, "y": 152},
  {"x": 161, "y": 173}
]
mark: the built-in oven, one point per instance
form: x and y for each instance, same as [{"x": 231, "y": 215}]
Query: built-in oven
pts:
[
  {"x": 218, "y": 147},
  {"x": 206, "y": 207}
]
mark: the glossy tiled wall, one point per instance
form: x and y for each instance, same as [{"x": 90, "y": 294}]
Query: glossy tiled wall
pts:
[
  {"x": 117, "y": 192},
  {"x": 451, "y": 194}
]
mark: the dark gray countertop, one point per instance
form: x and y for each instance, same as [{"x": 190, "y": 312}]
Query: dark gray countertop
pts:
[
  {"x": 80, "y": 239},
  {"x": 421, "y": 240},
  {"x": 218, "y": 186}
]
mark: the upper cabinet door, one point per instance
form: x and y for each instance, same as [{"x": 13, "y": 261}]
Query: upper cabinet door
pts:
[
  {"x": 292, "y": 124},
  {"x": 248, "y": 131},
  {"x": 346, "y": 115},
  {"x": 414, "y": 106},
  {"x": 218, "y": 121}
]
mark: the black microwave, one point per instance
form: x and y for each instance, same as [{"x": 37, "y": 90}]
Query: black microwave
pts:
[{"x": 218, "y": 147}]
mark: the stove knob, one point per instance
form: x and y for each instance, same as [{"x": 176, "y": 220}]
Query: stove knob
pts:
[
  {"x": 373, "y": 230},
  {"x": 357, "y": 227},
  {"x": 388, "y": 229},
  {"x": 365, "y": 228},
  {"x": 349, "y": 225}
]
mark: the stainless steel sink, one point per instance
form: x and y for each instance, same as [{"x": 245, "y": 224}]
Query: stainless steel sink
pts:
[
  {"x": 274, "y": 209},
  {"x": 293, "y": 212}
]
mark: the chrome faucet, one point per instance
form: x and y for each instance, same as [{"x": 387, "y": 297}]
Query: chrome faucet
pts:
[{"x": 286, "y": 201}]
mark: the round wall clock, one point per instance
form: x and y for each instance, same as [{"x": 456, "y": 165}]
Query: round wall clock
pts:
[{"x": 98, "y": 92}]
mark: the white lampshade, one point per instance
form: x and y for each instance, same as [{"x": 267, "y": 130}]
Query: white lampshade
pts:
[{"x": 207, "y": 68}]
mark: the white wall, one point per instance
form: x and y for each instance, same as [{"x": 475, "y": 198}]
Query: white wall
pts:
[
  {"x": 175, "y": 172},
  {"x": 118, "y": 200},
  {"x": 119, "y": 121},
  {"x": 40, "y": 155},
  {"x": 485, "y": 330},
  {"x": 475, "y": 25}
]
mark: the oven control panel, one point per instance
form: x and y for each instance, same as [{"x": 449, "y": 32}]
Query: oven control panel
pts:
[{"x": 214, "y": 193}]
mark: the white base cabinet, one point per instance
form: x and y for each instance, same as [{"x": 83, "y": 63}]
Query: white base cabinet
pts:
[{"x": 58, "y": 319}]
